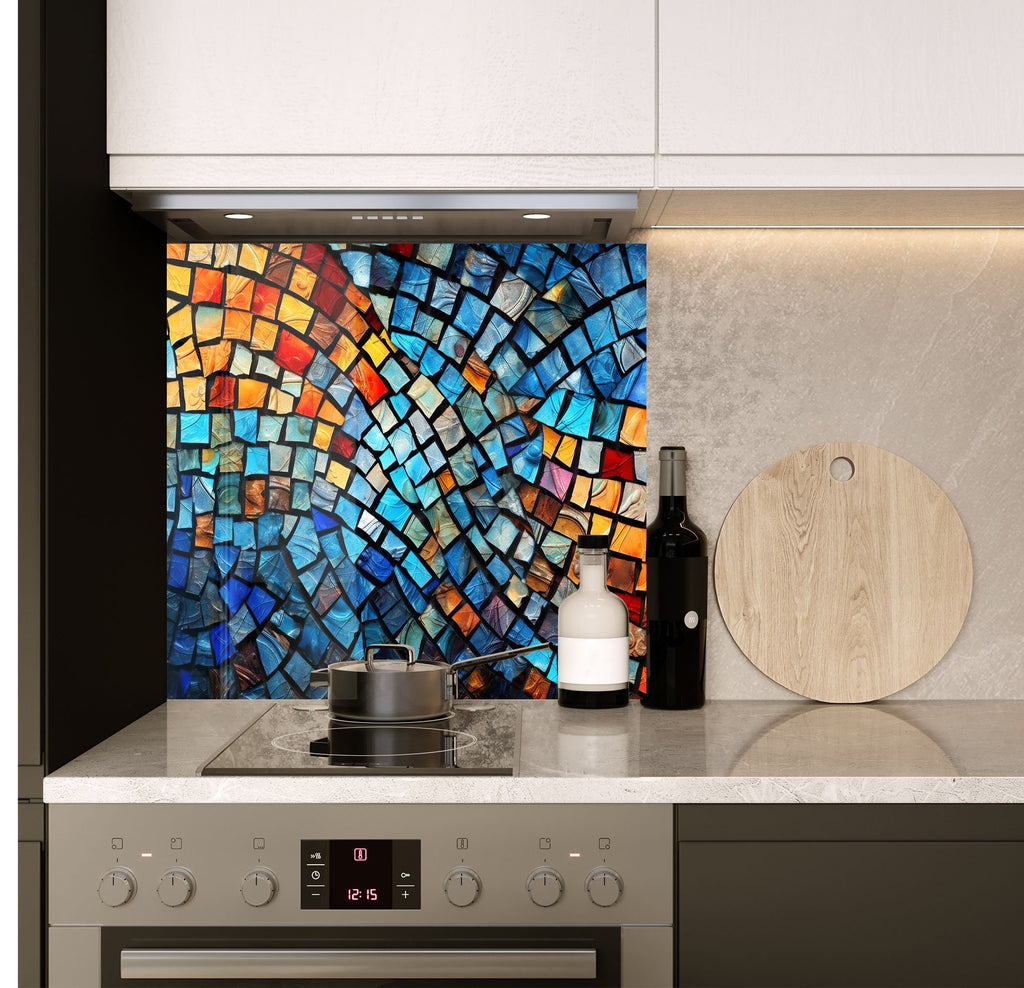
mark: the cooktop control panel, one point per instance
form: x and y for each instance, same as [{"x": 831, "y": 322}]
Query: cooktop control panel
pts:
[{"x": 271, "y": 864}]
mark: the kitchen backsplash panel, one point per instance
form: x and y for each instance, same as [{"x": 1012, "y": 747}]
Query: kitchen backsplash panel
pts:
[
  {"x": 913, "y": 340},
  {"x": 396, "y": 443}
]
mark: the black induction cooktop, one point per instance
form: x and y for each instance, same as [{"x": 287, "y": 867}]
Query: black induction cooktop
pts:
[{"x": 298, "y": 737}]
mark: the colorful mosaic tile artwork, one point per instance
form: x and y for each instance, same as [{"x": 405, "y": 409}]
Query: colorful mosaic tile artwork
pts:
[{"x": 397, "y": 442}]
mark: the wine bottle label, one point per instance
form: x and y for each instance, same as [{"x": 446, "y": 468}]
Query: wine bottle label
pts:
[
  {"x": 593, "y": 663},
  {"x": 676, "y": 587}
]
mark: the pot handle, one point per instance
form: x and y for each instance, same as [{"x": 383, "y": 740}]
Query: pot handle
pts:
[
  {"x": 410, "y": 659},
  {"x": 475, "y": 660},
  {"x": 319, "y": 677}
]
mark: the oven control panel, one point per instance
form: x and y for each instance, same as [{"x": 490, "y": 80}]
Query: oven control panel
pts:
[{"x": 240, "y": 864}]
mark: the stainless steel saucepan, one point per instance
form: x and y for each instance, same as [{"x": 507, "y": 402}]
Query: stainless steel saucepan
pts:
[{"x": 394, "y": 690}]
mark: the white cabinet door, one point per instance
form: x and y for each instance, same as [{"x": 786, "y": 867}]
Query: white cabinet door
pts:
[
  {"x": 841, "y": 77},
  {"x": 381, "y": 77}
]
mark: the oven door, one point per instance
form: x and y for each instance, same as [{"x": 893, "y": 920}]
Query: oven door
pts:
[{"x": 397, "y": 956}]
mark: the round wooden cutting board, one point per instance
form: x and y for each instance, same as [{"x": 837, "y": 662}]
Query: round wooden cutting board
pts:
[{"x": 843, "y": 590}]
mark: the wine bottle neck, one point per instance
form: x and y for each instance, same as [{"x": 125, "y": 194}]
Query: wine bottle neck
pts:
[
  {"x": 672, "y": 479},
  {"x": 672, "y": 504}
]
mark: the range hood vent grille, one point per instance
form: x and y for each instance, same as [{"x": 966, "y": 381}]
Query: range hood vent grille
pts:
[{"x": 384, "y": 217}]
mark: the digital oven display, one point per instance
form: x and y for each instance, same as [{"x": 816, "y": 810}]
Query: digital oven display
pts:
[{"x": 360, "y": 874}]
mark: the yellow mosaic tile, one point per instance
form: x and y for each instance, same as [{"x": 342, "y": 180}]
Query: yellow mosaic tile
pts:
[
  {"x": 238, "y": 291},
  {"x": 295, "y": 312},
  {"x": 605, "y": 494},
  {"x": 580, "y": 491},
  {"x": 215, "y": 356},
  {"x": 252, "y": 257},
  {"x": 634, "y": 427},
  {"x": 225, "y": 255},
  {"x": 179, "y": 325},
  {"x": 264, "y": 335},
  {"x": 551, "y": 441},
  {"x": 179, "y": 280},
  {"x": 338, "y": 474},
  {"x": 323, "y": 436},
  {"x": 302, "y": 281},
  {"x": 200, "y": 253},
  {"x": 567, "y": 450},
  {"x": 376, "y": 349},
  {"x": 186, "y": 360},
  {"x": 344, "y": 353},
  {"x": 194, "y": 389}
]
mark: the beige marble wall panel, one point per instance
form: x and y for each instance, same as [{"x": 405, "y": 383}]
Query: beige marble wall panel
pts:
[{"x": 761, "y": 342}]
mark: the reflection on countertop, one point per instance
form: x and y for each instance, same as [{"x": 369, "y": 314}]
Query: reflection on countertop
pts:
[{"x": 799, "y": 738}]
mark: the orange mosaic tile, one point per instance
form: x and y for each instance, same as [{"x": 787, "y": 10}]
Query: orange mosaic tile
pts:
[
  {"x": 208, "y": 286},
  {"x": 237, "y": 325},
  {"x": 634, "y": 426},
  {"x": 251, "y": 393}
]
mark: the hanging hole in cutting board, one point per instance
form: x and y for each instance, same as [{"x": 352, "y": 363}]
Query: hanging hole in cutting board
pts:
[{"x": 841, "y": 468}]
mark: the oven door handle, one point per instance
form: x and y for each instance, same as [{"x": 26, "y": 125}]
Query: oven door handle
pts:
[{"x": 448, "y": 965}]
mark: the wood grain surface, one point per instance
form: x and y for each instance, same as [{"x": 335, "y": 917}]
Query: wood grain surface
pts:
[{"x": 843, "y": 590}]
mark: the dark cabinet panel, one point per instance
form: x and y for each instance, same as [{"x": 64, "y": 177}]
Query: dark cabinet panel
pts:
[
  {"x": 30, "y": 913},
  {"x": 102, "y": 273},
  {"x": 842, "y": 913}
]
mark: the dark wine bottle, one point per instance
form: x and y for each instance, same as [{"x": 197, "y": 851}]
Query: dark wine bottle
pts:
[{"x": 677, "y": 595}]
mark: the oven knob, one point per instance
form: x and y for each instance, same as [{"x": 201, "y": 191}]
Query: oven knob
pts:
[
  {"x": 176, "y": 887},
  {"x": 545, "y": 886},
  {"x": 259, "y": 886},
  {"x": 462, "y": 886},
  {"x": 604, "y": 887},
  {"x": 117, "y": 887}
]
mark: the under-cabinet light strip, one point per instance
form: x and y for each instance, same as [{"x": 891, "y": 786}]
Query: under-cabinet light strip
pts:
[{"x": 831, "y": 226}]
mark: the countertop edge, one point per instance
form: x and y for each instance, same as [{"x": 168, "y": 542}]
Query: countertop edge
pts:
[{"x": 535, "y": 789}]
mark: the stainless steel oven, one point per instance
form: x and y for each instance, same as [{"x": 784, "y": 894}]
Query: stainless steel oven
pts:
[{"x": 315, "y": 894}]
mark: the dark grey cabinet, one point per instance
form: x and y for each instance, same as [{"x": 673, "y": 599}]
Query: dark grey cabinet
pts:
[{"x": 850, "y": 896}]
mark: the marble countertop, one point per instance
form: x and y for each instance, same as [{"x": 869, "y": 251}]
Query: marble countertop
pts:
[{"x": 968, "y": 751}]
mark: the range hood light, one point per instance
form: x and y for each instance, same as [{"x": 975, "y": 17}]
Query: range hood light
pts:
[
  {"x": 238, "y": 216},
  {"x": 536, "y": 216}
]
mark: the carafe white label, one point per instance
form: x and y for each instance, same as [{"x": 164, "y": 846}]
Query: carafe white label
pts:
[{"x": 593, "y": 664}]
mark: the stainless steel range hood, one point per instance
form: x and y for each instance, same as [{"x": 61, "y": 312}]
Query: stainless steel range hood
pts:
[{"x": 388, "y": 216}]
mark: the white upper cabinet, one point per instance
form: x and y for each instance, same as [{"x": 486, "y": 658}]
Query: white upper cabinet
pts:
[
  {"x": 865, "y": 78},
  {"x": 381, "y": 77},
  {"x": 836, "y": 77},
  {"x": 566, "y": 94}
]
